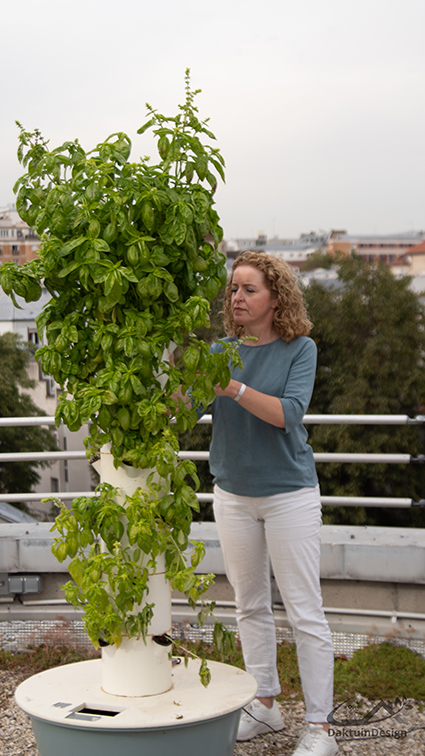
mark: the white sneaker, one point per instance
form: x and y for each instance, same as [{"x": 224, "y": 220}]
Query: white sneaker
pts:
[
  {"x": 258, "y": 719},
  {"x": 314, "y": 741}
]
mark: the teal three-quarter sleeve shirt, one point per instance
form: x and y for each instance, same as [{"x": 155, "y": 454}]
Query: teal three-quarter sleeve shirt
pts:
[{"x": 250, "y": 457}]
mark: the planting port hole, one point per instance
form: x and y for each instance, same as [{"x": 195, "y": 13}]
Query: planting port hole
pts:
[
  {"x": 98, "y": 712},
  {"x": 162, "y": 640}
]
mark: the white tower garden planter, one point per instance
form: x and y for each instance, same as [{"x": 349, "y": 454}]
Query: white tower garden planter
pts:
[
  {"x": 138, "y": 667},
  {"x": 136, "y": 701}
]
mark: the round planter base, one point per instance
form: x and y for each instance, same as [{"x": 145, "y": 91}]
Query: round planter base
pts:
[{"x": 71, "y": 714}]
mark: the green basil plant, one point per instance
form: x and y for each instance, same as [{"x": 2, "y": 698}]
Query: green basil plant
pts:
[{"x": 129, "y": 257}]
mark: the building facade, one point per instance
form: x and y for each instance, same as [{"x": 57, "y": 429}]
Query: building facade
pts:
[
  {"x": 18, "y": 242},
  {"x": 374, "y": 248},
  {"x": 404, "y": 252},
  {"x": 294, "y": 251},
  {"x": 61, "y": 476}
]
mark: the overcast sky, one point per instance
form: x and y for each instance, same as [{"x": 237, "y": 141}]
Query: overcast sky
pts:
[{"x": 318, "y": 105}]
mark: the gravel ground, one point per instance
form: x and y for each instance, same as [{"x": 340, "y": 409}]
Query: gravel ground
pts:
[{"x": 401, "y": 733}]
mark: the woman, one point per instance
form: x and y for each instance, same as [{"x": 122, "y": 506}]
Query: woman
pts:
[{"x": 266, "y": 493}]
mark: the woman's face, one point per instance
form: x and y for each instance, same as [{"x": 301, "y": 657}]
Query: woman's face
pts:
[{"x": 251, "y": 301}]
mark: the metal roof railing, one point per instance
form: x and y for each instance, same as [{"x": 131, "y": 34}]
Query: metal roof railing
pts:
[
  {"x": 340, "y": 458},
  {"x": 308, "y": 419}
]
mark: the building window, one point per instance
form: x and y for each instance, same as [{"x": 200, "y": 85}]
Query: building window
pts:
[
  {"x": 4, "y": 232},
  {"x": 51, "y": 386},
  {"x": 54, "y": 485},
  {"x": 1, "y": 251},
  {"x": 15, "y": 249},
  {"x": 33, "y": 336}
]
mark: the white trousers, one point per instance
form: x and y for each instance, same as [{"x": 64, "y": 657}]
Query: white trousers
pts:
[{"x": 285, "y": 527}]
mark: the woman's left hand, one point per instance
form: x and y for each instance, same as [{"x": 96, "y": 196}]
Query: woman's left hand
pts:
[
  {"x": 231, "y": 389},
  {"x": 266, "y": 407}
]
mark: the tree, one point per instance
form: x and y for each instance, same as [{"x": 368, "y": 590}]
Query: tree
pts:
[
  {"x": 370, "y": 333},
  {"x": 16, "y": 477},
  {"x": 321, "y": 259}
]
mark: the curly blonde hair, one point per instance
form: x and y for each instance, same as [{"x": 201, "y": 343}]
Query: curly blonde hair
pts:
[{"x": 290, "y": 316}]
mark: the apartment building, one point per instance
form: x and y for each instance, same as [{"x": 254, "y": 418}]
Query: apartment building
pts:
[
  {"x": 64, "y": 475},
  {"x": 294, "y": 251},
  {"x": 372, "y": 248},
  {"x": 18, "y": 242},
  {"x": 405, "y": 252}
]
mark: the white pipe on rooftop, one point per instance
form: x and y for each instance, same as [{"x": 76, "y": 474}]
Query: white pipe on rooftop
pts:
[
  {"x": 366, "y": 501},
  {"x": 65, "y": 496},
  {"x": 364, "y": 419},
  {"x": 386, "y": 459},
  {"x": 393, "y": 615},
  {"x": 50, "y": 456},
  {"x": 7, "y": 422},
  {"x": 204, "y": 498},
  {"x": 207, "y": 420},
  {"x": 350, "y": 419},
  {"x": 327, "y": 610}
]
